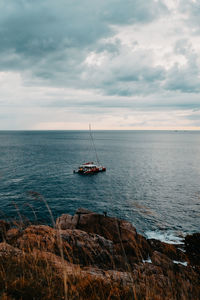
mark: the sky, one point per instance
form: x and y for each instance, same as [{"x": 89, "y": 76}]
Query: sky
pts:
[{"x": 129, "y": 64}]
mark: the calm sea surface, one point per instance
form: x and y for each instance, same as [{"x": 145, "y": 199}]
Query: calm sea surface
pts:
[{"x": 152, "y": 177}]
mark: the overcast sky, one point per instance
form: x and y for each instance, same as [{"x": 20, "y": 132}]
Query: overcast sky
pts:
[{"x": 117, "y": 64}]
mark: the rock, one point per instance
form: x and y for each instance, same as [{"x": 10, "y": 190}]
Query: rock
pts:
[
  {"x": 87, "y": 249},
  {"x": 67, "y": 222},
  {"x": 192, "y": 247},
  {"x": 83, "y": 211},
  {"x": 77, "y": 246},
  {"x": 100, "y": 257},
  {"x": 169, "y": 250},
  {"x": 159, "y": 259},
  {"x": 4, "y": 227},
  {"x": 7, "y": 250},
  {"x": 12, "y": 234},
  {"x": 132, "y": 246},
  {"x": 34, "y": 237}
]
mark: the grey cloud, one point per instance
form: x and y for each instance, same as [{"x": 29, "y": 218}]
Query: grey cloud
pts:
[
  {"x": 148, "y": 102},
  {"x": 192, "y": 11},
  {"x": 182, "y": 46},
  {"x": 35, "y": 27},
  {"x": 110, "y": 47},
  {"x": 185, "y": 78},
  {"x": 181, "y": 80},
  {"x": 50, "y": 41},
  {"x": 195, "y": 117},
  {"x": 32, "y": 30},
  {"x": 129, "y": 11},
  {"x": 129, "y": 73},
  {"x": 145, "y": 73},
  {"x": 76, "y": 45},
  {"x": 119, "y": 91}
]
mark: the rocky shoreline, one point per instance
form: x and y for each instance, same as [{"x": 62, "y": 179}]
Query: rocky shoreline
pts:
[{"x": 97, "y": 256}]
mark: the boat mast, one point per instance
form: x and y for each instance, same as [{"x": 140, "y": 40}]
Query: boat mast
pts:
[{"x": 93, "y": 144}]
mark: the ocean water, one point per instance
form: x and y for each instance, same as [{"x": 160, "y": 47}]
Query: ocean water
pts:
[{"x": 152, "y": 177}]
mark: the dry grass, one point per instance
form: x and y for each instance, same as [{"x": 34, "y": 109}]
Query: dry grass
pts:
[
  {"x": 33, "y": 274},
  {"x": 29, "y": 274},
  {"x": 32, "y": 277}
]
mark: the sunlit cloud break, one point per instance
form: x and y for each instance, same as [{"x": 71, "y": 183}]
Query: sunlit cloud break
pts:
[{"x": 131, "y": 64}]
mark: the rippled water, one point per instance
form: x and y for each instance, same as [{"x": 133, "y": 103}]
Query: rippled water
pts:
[{"x": 152, "y": 177}]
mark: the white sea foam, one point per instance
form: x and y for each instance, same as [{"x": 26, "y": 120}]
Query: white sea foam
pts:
[
  {"x": 184, "y": 263},
  {"x": 147, "y": 260},
  {"x": 167, "y": 237},
  {"x": 183, "y": 250}
]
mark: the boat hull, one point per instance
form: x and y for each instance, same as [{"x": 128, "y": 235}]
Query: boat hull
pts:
[{"x": 92, "y": 171}]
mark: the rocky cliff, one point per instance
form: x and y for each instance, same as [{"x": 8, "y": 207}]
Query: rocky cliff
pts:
[{"x": 93, "y": 256}]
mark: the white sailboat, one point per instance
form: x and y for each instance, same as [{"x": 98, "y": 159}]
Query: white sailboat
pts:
[{"x": 91, "y": 167}]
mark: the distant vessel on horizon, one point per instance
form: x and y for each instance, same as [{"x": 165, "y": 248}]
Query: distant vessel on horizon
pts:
[{"x": 91, "y": 167}]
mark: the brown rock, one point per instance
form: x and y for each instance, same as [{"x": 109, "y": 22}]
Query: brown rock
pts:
[
  {"x": 87, "y": 249},
  {"x": 4, "y": 227},
  {"x": 100, "y": 257},
  {"x": 159, "y": 259},
  {"x": 77, "y": 246},
  {"x": 132, "y": 246},
  {"x": 66, "y": 222},
  {"x": 36, "y": 236},
  {"x": 169, "y": 250},
  {"x": 12, "y": 235},
  {"x": 192, "y": 247},
  {"x": 83, "y": 211},
  {"x": 7, "y": 250}
]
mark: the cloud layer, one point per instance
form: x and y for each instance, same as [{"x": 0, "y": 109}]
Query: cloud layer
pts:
[{"x": 124, "y": 62}]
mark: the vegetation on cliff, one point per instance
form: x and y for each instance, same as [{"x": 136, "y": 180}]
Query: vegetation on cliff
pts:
[{"x": 93, "y": 256}]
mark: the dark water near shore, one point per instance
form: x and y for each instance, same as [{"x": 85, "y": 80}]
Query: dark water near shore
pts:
[{"x": 152, "y": 178}]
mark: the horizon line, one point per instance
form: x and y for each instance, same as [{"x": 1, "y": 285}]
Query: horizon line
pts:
[{"x": 100, "y": 129}]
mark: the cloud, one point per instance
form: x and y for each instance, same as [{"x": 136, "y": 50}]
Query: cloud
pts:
[
  {"x": 45, "y": 36},
  {"x": 76, "y": 59},
  {"x": 34, "y": 28},
  {"x": 186, "y": 77},
  {"x": 191, "y": 10}
]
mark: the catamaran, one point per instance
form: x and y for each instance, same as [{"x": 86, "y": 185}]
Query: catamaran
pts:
[{"x": 91, "y": 167}]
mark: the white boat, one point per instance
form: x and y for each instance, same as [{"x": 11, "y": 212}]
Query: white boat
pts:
[{"x": 91, "y": 167}]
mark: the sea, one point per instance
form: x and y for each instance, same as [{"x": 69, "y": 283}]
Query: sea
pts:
[{"x": 152, "y": 178}]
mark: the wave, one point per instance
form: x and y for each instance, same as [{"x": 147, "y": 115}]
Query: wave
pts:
[{"x": 169, "y": 237}]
